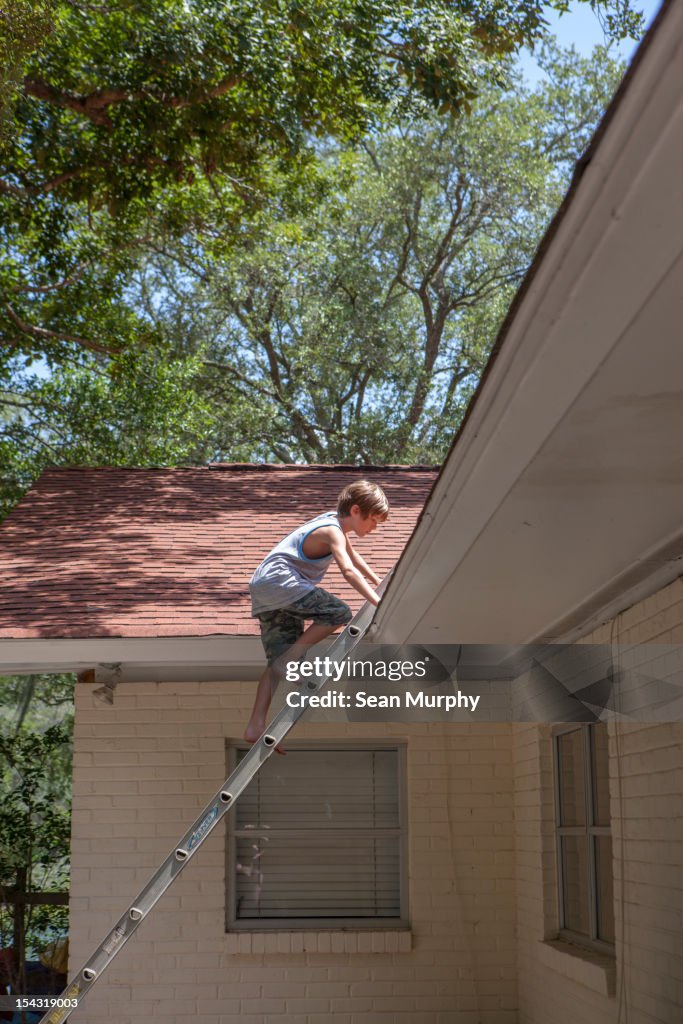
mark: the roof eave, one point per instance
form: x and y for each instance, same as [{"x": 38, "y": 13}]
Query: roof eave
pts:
[{"x": 506, "y": 422}]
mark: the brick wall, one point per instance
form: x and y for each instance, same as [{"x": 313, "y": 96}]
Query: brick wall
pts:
[
  {"x": 644, "y": 984},
  {"x": 144, "y": 768}
]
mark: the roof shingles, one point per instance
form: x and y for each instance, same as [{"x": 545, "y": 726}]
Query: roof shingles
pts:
[{"x": 169, "y": 552}]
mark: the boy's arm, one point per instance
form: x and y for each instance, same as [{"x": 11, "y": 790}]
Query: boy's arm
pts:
[
  {"x": 360, "y": 563},
  {"x": 347, "y": 568}
]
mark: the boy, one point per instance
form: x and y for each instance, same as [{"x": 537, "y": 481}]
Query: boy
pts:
[{"x": 284, "y": 589}]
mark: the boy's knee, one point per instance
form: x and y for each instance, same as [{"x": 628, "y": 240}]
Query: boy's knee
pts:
[
  {"x": 340, "y": 615},
  {"x": 335, "y": 611},
  {"x": 346, "y": 613},
  {"x": 326, "y": 609}
]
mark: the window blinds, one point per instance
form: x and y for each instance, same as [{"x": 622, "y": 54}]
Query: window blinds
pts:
[{"x": 317, "y": 835}]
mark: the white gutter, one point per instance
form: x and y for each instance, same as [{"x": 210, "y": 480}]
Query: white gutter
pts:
[{"x": 138, "y": 658}]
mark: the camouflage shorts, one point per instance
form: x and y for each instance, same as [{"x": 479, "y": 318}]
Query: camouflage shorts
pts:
[{"x": 282, "y": 627}]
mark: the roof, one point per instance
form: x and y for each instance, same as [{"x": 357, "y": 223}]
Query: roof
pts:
[
  {"x": 110, "y": 552},
  {"x": 560, "y": 503}
]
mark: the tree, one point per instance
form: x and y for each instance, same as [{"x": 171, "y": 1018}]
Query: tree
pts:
[
  {"x": 141, "y": 409},
  {"x": 316, "y": 327},
  {"x": 122, "y": 117},
  {"x": 35, "y": 783},
  {"x": 120, "y": 100},
  {"x": 355, "y": 327}
]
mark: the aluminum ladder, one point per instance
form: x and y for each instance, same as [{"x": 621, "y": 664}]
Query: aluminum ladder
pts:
[{"x": 83, "y": 981}]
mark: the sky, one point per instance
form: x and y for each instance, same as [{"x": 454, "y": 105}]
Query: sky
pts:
[{"x": 579, "y": 27}]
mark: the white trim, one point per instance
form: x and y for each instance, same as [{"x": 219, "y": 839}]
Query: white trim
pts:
[{"x": 168, "y": 658}]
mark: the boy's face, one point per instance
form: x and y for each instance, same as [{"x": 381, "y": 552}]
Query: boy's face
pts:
[{"x": 363, "y": 525}]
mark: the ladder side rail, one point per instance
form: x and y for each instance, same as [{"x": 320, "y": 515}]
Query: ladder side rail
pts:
[{"x": 84, "y": 979}]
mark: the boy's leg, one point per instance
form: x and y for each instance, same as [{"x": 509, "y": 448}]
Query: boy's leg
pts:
[
  {"x": 314, "y": 634},
  {"x": 328, "y": 614},
  {"x": 284, "y": 629},
  {"x": 272, "y": 676},
  {"x": 259, "y": 712},
  {"x": 279, "y": 630}
]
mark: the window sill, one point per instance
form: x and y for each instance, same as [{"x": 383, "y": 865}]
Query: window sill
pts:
[
  {"x": 364, "y": 941},
  {"x": 596, "y": 971}
]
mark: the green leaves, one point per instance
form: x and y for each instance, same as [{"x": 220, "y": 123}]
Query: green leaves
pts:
[
  {"x": 122, "y": 101},
  {"x": 139, "y": 409},
  {"x": 351, "y": 322},
  {"x": 24, "y": 25},
  {"x": 244, "y": 230},
  {"x": 35, "y": 799}
]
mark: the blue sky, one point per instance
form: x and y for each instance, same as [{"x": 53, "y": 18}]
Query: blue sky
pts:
[{"x": 579, "y": 27}]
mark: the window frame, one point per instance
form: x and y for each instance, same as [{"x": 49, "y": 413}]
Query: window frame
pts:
[
  {"x": 589, "y": 831},
  {"x": 308, "y": 924}
]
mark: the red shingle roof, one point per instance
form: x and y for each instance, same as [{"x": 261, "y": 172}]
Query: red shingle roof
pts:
[{"x": 169, "y": 552}]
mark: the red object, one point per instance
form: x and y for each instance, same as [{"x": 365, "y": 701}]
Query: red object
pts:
[
  {"x": 169, "y": 552},
  {"x": 6, "y": 968},
  {"x": 6, "y": 964}
]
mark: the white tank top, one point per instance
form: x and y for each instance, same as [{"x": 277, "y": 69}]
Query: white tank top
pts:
[{"x": 286, "y": 574}]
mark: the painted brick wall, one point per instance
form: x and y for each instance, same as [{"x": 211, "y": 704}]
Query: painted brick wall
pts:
[
  {"x": 646, "y": 801},
  {"x": 143, "y": 770}
]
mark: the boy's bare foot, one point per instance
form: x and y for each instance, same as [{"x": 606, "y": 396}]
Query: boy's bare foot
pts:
[{"x": 253, "y": 733}]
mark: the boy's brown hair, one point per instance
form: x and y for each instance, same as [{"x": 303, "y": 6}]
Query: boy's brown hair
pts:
[{"x": 370, "y": 498}]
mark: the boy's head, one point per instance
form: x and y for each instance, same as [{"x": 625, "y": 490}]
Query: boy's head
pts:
[{"x": 370, "y": 499}]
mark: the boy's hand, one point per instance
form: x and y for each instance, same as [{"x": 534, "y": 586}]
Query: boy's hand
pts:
[{"x": 373, "y": 578}]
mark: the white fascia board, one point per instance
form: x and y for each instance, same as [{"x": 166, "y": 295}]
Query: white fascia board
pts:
[
  {"x": 139, "y": 658},
  {"x": 618, "y": 237}
]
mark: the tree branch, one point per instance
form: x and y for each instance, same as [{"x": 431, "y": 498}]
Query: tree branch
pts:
[
  {"x": 457, "y": 378},
  {"x": 29, "y": 191},
  {"x": 202, "y": 94},
  {"x": 43, "y": 334},
  {"x": 64, "y": 283},
  {"x": 15, "y": 405},
  {"x": 258, "y": 388},
  {"x": 441, "y": 257},
  {"x": 399, "y": 277},
  {"x": 96, "y": 106},
  {"x": 13, "y": 190},
  {"x": 360, "y": 396}
]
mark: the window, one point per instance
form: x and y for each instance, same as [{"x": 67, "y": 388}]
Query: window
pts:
[
  {"x": 584, "y": 842},
  {"x": 317, "y": 841}
]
